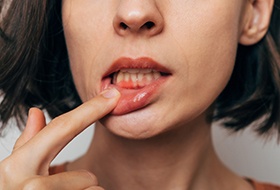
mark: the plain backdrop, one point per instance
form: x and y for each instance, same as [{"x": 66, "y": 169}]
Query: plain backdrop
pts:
[{"x": 243, "y": 152}]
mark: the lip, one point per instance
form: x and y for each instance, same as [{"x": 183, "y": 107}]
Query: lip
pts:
[{"x": 135, "y": 99}]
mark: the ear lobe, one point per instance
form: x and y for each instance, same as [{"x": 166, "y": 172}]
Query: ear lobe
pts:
[{"x": 258, "y": 16}]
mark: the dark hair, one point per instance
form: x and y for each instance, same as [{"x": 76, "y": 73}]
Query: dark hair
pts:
[
  {"x": 33, "y": 61},
  {"x": 253, "y": 92},
  {"x": 35, "y": 70}
]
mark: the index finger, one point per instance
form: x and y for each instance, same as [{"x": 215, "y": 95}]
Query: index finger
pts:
[{"x": 61, "y": 130}]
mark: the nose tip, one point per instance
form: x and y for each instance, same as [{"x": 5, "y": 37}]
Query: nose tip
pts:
[
  {"x": 138, "y": 20},
  {"x": 149, "y": 28}
]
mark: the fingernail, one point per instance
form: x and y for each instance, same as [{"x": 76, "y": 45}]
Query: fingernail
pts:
[
  {"x": 30, "y": 111},
  {"x": 110, "y": 93}
]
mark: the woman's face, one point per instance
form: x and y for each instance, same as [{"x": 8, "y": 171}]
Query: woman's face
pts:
[{"x": 169, "y": 59}]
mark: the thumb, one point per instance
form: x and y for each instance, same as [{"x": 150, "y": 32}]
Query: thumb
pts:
[{"x": 35, "y": 123}]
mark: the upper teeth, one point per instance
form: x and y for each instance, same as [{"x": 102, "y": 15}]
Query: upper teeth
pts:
[{"x": 137, "y": 77}]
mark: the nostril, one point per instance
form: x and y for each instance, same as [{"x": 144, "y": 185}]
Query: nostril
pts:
[
  {"x": 149, "y": 25},
  {"x": 123, "y": 25}
]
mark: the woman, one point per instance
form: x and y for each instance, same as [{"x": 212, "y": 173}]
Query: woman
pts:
[{"x": 152, "y": 75}]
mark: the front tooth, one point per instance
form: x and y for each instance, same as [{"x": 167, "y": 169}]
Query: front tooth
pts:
[
  {"x": 133, "y": 77},
  {"x": 126, "y": 77},
  {"x": 144, "y": 77},
  {"x": 119, "y": 77},
  {"x": 140, "y": 76}
]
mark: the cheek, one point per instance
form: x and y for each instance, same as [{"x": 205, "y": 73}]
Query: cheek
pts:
[
  {"x": 208, "y": 44},
  {"x": 84, "y": 41},
  {"x": 210, "y": 51}
]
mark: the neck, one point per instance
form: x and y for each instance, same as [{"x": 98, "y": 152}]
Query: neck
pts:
[{"x": 180, "y": 159}]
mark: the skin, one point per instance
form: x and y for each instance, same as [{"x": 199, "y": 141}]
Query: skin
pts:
[
  {"x": 183, "y": 31},
  {"x": 18, "y": 173},
  {"x": 147, "y": 147},
  {"x": 190, "y": 38}
]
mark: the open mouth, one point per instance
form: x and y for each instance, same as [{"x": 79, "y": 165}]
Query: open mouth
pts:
[
  {"x": 135, "y": 78},
  {"x": 138, "y": 81}
]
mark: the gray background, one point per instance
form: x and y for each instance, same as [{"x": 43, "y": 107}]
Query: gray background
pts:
[{"x": 243, "y": 152}]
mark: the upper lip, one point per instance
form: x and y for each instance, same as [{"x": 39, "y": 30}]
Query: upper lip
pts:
[{"x": 138, "y": 63}]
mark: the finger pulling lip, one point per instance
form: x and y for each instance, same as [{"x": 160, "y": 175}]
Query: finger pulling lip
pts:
[{"x": 138, "y": 81}]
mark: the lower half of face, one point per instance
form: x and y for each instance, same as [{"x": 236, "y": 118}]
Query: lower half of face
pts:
[{"x": 168, "y": 76}]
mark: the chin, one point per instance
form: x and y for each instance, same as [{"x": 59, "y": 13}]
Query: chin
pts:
[{"x": 140, "y": 124}]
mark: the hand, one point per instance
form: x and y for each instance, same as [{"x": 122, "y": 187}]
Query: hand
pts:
[{"x": 27, "y": 167}]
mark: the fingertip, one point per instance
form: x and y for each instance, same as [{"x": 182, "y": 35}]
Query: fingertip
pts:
[
  {"x": 36, "y": 112},
  {"x": 35, "y": 122},
  {"x": 110, "y": 93},
  {"x": 36, "y": 119},
  {"x": 34, "y": 109}
]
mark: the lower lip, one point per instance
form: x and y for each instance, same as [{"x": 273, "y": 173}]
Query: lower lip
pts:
[{"x": 133, "y": 99}]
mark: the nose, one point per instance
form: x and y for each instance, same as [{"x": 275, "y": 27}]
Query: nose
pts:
[{"x": 138, "y": 17}]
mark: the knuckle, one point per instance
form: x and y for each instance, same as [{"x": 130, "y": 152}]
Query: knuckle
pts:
[
  {"x": 95, "y": 188},
  {"x": 92, "y": 177},
  {"x": 10, "y": 172},
  {"x": 59, "y": 122},
  {"x": 7, "y": 168},
  {"x": 4, "y": 175},
  {"x": 99, "y": 188},
  {"x": 35, "y": 184}
]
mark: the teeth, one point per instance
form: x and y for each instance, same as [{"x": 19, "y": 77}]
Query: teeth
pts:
[
  {"x": 140, "y": 76},
  {"x": 135, "y": 78},
  {"x": 156, "y": 75},
  {"x": 149, "y": 77},
  {"x": 119, "y": 77},
  {"x": 126, "y": 77}
]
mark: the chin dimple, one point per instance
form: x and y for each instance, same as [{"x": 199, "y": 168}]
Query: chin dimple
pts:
[{"x": 135, "y": 78}]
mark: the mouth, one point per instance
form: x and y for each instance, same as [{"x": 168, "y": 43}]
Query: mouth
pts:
[
  {"x": 135, "y": 78},
  {"x": 138, "y": 81}
]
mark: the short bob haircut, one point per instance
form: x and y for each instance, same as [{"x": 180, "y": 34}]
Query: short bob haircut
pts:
[{"x": 34, "y": 70}]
